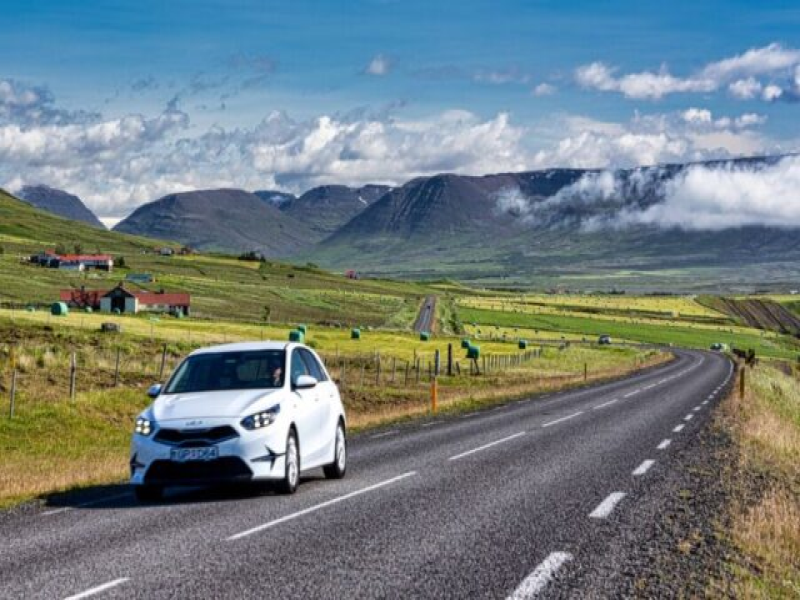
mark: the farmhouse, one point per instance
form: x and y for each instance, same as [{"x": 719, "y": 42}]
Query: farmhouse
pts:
[
  {"x": 127, "y": 301},
  {"x": 73, "y": 262}
]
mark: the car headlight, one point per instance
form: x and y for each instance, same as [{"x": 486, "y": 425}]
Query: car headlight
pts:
[
  {"x": 144, "y": 426},
  {"x": 261, "y": 419}
]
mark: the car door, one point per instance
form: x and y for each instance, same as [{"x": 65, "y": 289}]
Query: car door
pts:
[
  {"x": 323, "y": 415},
  {"x": 306, "y": 408}
]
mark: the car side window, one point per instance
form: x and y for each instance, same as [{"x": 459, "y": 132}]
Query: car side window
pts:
[
  {"x": 313, "y": 365},
  {"x": 298, "y": 365}
]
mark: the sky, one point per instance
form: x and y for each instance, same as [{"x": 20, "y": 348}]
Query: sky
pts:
[{"x": 124, "y": 102}]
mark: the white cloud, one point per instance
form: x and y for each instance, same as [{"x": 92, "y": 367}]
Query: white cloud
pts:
[
  {"x": 544, "y": 89},
  {"x": 745, "y": 89},
  {"x": 738, "y": 72},
  {"x": 718, "y": 198},
  {"x": 379, "y": 65},
  {"x": 697, "y": 115}
]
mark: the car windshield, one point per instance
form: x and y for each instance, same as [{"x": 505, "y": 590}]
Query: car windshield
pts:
[{"x": 216, "y": 372}]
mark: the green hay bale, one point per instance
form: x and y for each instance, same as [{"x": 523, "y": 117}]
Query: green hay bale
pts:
[
  {"x": 465, "y": 343},
  {"x": 424, "y": 336},
  {"x": 523, "y": 344},
  {"x": 297, "y": 336},
  {"x": 355, "y": 334},
  {"x": 302, "y": 328},
  {"x": 473, "y": 352},
  {"x": 59, "y": 309}
]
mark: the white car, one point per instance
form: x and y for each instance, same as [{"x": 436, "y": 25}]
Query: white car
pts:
[{"x": 230, "y": 414}]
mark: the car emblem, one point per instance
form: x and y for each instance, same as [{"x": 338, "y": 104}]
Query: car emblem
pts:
[{"x": 193, "y": 423}]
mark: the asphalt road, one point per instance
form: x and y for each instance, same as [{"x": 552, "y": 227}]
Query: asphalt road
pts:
[
  {"x": 520, "y": 500},
  {"x": 426, "y": 319}
]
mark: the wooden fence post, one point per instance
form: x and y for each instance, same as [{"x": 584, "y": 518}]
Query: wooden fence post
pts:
[
  {"x": 73, "y": 369},
  {"x": 450, "y": 360},
  {"x": 116, "y": 369},
  {"x": 13, "y": 393},
  {"x": 163, "y": 363},
  {"x": 436, "y": 363},
  {"x": 741, "y": 383},
  {"x": 378, "y": 369}
]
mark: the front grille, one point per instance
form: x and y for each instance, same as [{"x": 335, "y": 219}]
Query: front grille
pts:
[
  {"x": 227, "y": 468},
  {"x": 196, "y": 437}
]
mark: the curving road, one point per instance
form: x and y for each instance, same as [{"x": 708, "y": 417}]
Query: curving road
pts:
[{"x": 517, "y": 501}]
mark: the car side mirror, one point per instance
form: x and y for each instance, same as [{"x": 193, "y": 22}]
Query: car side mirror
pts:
[
  {"x": 154, "y": 390},
  {"x": 304, "y": 382}
]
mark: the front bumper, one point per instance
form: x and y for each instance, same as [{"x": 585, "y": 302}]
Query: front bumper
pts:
[{"x": 244, "y": 456}]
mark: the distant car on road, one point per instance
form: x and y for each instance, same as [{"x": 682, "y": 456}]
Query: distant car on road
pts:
[
  {"x": 604, "y": 340},
  {"x": 230, "y": 413},
  {"x": 718, "y": 346}
]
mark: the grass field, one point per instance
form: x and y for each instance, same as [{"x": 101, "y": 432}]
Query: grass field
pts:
[{"x": 678, "y": 334}]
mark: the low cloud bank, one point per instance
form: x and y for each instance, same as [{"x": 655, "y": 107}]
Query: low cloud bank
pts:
[{"x": 699, "y": 197}]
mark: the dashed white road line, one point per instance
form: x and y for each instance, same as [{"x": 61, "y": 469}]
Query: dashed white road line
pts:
[
  {"x": 604, "y": 404},
  {"x": 485, "y": 446},
  {"x": 98, "y": 589},
  {"x": 664, "y": 444},
  {"x": 572, "y": 416},
  {"x": 696, "y": 408},
  {"x": 678, "y": 428},
  {"x": 57, "y": 511},
  {"x": 320, "y": 506},
  {"x": 688, "y": 417},
  {"x": 644, "y": 467},
  {"x": 541, "y": 576},
  {"x": 383, "y": 434},
  {"x": 607, "y": 506}
]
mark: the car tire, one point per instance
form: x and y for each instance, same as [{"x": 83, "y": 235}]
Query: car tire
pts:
[
  {"x": 148, "y": 493},
  {"x": 338, "y": 467},
  {"x": 291, "y": 472}
]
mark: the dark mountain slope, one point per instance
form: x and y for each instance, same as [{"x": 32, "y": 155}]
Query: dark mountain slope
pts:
[
  {"x": 227, "y": 220},
  {"x": 59, "y": 203},
  {"x": 326, "y": 208}
]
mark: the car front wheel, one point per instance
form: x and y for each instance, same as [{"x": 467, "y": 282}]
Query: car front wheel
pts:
[
  {"x": 291, "y": 475},
  {"x": 337, "y": 468}
]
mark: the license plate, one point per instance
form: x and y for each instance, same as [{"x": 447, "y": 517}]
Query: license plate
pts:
[{"x": 186, "y": 454}]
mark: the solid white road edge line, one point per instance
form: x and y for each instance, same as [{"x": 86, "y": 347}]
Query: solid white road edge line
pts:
[
  {"x": 604, "y": 404},
  {"x": 607, "y": 506},
  {"x": 677, "y": 428},
  {"x": 98, "y": 589},
  {"x": 384, "y": 434},
  {"x": 541, "y": 576},
  {"x": 633, "y": 393},
  {"x": 485, "y": 446},
  {"x": 664, "y": 444},
  {"x": 573, "y": 415},
  {"x": 56, "y": 511},
  {"x": 644, "y": 467},
  {"x": 319, "y": 506}
]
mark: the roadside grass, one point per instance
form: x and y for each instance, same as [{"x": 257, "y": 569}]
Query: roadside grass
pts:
[
  {"x": 767, "y": 532},
  {"x": 57, "y": 446},
  {"x": 685, "y": 335}
]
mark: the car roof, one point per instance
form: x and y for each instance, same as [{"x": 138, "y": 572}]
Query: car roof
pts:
[{"x": 245, "y": 347}]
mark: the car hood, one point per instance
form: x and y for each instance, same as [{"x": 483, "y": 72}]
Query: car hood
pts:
[{"x": 233, "y": 403}]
